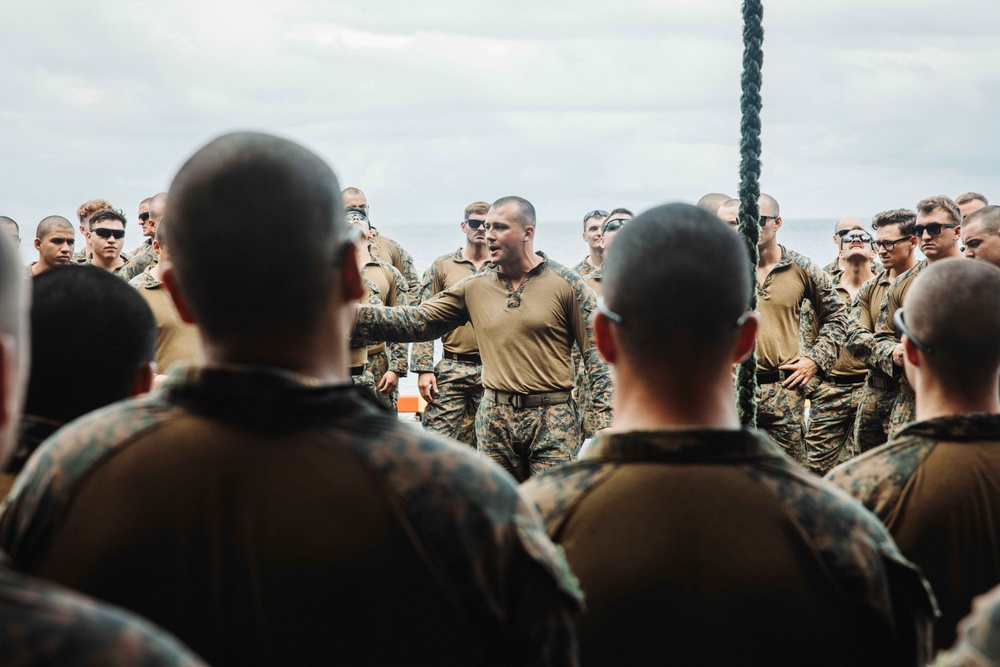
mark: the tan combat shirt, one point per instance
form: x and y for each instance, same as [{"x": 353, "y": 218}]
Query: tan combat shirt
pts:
[
  {"x": 391, "y": 289},
  {"x": 445, "y": 272},
  {"x": 885, "y": 331},
  {"x": 177, "y": 342}
]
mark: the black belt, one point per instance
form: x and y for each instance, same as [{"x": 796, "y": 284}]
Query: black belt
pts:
[
  {"x": 770, "y": 377},
  {"x": 467, "y": 358},
  {"x": 527, "y": 400},
  {"x": 857, "y": 378},
  {"x": 880, "y": 382},
  {"x": 357, "y": 370}
]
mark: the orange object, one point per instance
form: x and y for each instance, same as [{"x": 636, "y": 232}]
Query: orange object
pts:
[{"x": 411, "y": 403}]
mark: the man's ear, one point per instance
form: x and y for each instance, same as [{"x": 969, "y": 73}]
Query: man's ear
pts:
[
  {"x": 604, "y": 338},
  {"x": 38, "y": 244},
  {"x": 142, "y": 383},
  {"x": 911, "y": 352},
  {"x": 529, "y": 232},
  {"x": 353, "y": 286},
  {"x": 747, "y": 338},
  {"x": 169, "y": 279}
]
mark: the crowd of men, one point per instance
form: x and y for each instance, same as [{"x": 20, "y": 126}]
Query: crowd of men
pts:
[{"x": 228, "y": 463}]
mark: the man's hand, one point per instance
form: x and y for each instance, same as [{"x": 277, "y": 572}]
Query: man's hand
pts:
[
  {"x": 428, "y": 386},
  {"x": 803, "y": 369},
  {"x": 389, "y": 383},
  {"x": 897, "y": 354}
]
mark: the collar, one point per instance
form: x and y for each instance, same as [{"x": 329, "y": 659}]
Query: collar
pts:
[
  {"x": 961, "y": 427},
  {"x": 705, "y": 445}
]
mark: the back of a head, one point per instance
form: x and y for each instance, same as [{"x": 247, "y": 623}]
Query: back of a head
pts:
[
  {"x": 157, "y": 206},
  {"x": 276, "y": 209},
  {"x": 713, "y": 201},
  {"x": 953, "y": 306},
  {"x": 85, "y": 305},
  {"x": 13, "y": 324},
  {"x": 680, "y": 279}
]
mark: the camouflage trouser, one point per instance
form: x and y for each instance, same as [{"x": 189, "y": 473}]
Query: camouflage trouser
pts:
[
  {"x": 378, "y": 364},
  {"x": 453, "y": 412},
  {"x": 830, "y": 439},
  {"x": 871, "y": 428},
  {"x": 583, "y": 395},
  {"x": 903, "y": 412},
  {"x": 365, "y": 380},
  {"x": 779, "y": 412},
  {"x": 527, "y": 441}
]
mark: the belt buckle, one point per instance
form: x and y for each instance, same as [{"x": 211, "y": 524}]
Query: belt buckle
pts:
[{"x": 516, "y": 401}]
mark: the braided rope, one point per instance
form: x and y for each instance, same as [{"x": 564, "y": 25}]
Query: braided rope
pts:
[{"x": 749, "y": 228}]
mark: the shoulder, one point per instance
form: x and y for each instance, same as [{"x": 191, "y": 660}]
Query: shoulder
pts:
[
  {"x": 811, "y": 268},
  {"x": 43, "y": 624},
  {"x": 558, "y": 490},
  {"x": 579, "y": 287}
]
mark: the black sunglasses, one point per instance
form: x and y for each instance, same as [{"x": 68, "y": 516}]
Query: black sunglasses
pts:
[
  {"x": 889, "y": 245},
  {"x": 613, "y": 225},
  {"x": 850, "y": 238},
  {"x": 933, "y": 228},
  {"x": 765, "y": 218},
  {"x": 106, "y": 233},
  {"x": 598, "y": 212},
  {"x": 352, "y": 213},
  {"x": 475, "y": 224},
  {"x": 144, "y": 216},
  {"x": 897, "y": 319}
]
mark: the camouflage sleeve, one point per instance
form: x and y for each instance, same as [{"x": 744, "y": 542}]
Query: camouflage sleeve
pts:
[
  {"x": 423, "y": 352},
  {"x": 140, "y": 261},
  {"x": 600, "y": 379},
  {"x": 859, "y": 327},
  {"x": 884, "y": 340},
  {"x": 427, "y": 321},
  {"x": 409, "y": 272},
  {"x": 807, "y": 326},
  {"x": 42, "y": 624},
  {"x": 832, "y": 316},
  {"x": 398, "y": 353}
]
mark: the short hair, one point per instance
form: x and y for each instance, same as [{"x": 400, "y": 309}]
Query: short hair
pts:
[
  {"x": 729, "y": 203},
  {"x": 988, "y": 217},
  {"x": 145, "y": 201},
  {"x": 903, "y": 217},
  {"x": 243, "y": 192},
  {"x": 616, "y": 211},
  {"x": 85, "y": 303},
  {"x": 525, "y": 210},
  {"x": 351, "y": 190},
  {"x": 713, "y": 201},
  {"x": 476, "y": 208},
  {"x": 157, "y": 205},
  {"x": 848, "y": 217},
  {"x": 51, "y": 223},
  {"x": 10, "y": 221},
  {"x": 88, "y": 209},
  {"x": 107, "y": 214},
  {"x": 771, "y": 201},
  {"x": 694, "y": 307},
  {"x": 971, "y": 196},
  {"x": 962, "y": 325},
  {"x": 160, "y": 235},
  {"x": 928, "y": 205}
]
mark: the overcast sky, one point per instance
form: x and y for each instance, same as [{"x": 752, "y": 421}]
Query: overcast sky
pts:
[{"x": 869, "y": 104}]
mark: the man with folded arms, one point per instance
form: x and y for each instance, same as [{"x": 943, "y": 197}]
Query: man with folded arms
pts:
[
  {"x": 934, "y": 483},
  {"x": 696, "y": 541},
  {"x": 454, "y": 388},
  {"x": 527, "y": 312}
]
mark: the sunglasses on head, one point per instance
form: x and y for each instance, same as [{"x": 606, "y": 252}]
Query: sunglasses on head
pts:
[
  {"x": 851, "y": 238},
  {"x": 106, "y": 233},
  {"x": 933, "y": 228},
  {"x": 475, "y": 224},
  {"x": 613, "y": 225},
  {"x": 596, "y": 212},
  {"x": 144, "y": 216}
]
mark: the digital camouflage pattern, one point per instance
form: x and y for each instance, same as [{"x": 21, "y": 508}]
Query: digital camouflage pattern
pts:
[
  {"x": 482, "y": 538},
  {"x": 387, "y": 250},
  {"x": 582, "y": 390},
  {"x": 452, "y": 413},
  {"x": 978, "y": 643},
  {"x": 142, "y": 258},
  {"x": 871, "y": 425},
  {"x": 528, "y": 441},
  {"x": 904, "y": 411},
  {"x": 780, "y": 413},
  {"x": 378, "y": 364},
  {"x": 585, "y": 268},
  {"x": 81, "y": 256},
  {"x": 831, "y": 425},
  {"x": 42, "y": 624},
  {"x": 856, "y": 548},
  {"x": 886, "y": 338},
  {"x": 382, "y": 357}
]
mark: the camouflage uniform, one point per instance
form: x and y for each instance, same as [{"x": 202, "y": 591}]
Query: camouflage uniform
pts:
[
  {"x": 387, "y": 250},
  {"x": 934, "y": 486},
  {"x": 119, "y": 271},
  {"x": 585, "y": 268},
  {"x": 978, "y": 642},
  {"x": 865, "y": 569},
  {"x": 360, "y": 375},
  {"x": 794, "y": 279},
  {"x": 80, "y": 257},
  {"x": 581, "y": 389},
  {"x": 142, "y": 258},
  {"x": 256, "y": 549},
  {"x": 525, "y": 336},
  {"x": 384, "y": 357}
]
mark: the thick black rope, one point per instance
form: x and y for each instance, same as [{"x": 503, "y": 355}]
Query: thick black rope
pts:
[{"x": 749, "y": 227}]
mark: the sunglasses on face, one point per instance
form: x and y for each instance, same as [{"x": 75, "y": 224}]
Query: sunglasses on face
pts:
[
  {"x": 933, "y": 228},
  {"x": 889, "y": 245},
  {"x": 144, "y": 216},
  {"x": 598, "y": 212},
  {"x": 475, "y": 224},
  {"x": 613, "y": 225},
  {"x": 106, "y": 233},
  {"x": 356, "y": 214},
  {"x": 765, "y": 218},
  {"x": 851, "y": 238}
]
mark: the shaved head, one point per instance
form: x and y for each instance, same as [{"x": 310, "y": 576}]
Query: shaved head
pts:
[
  {"x": 525, "y": 209},
  {"x": 988, "y": 217},
  {"x": 157, "y": 207},
  {"x": 954, "y": 307},
  {"x": 690, "y": 316},
  {"x": 51, "y": 224},
  {"x": 713, "y": 201},
  {"x": 768, "y": 205},
  {"x": 848, "y": 223},
  {"x": 276, "y": 208}
]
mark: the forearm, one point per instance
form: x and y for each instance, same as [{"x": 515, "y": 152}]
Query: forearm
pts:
[{"x": 403, "y": 324}]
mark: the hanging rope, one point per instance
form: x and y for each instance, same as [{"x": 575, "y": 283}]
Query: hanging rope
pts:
[{"x": 749, "y": 227}]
